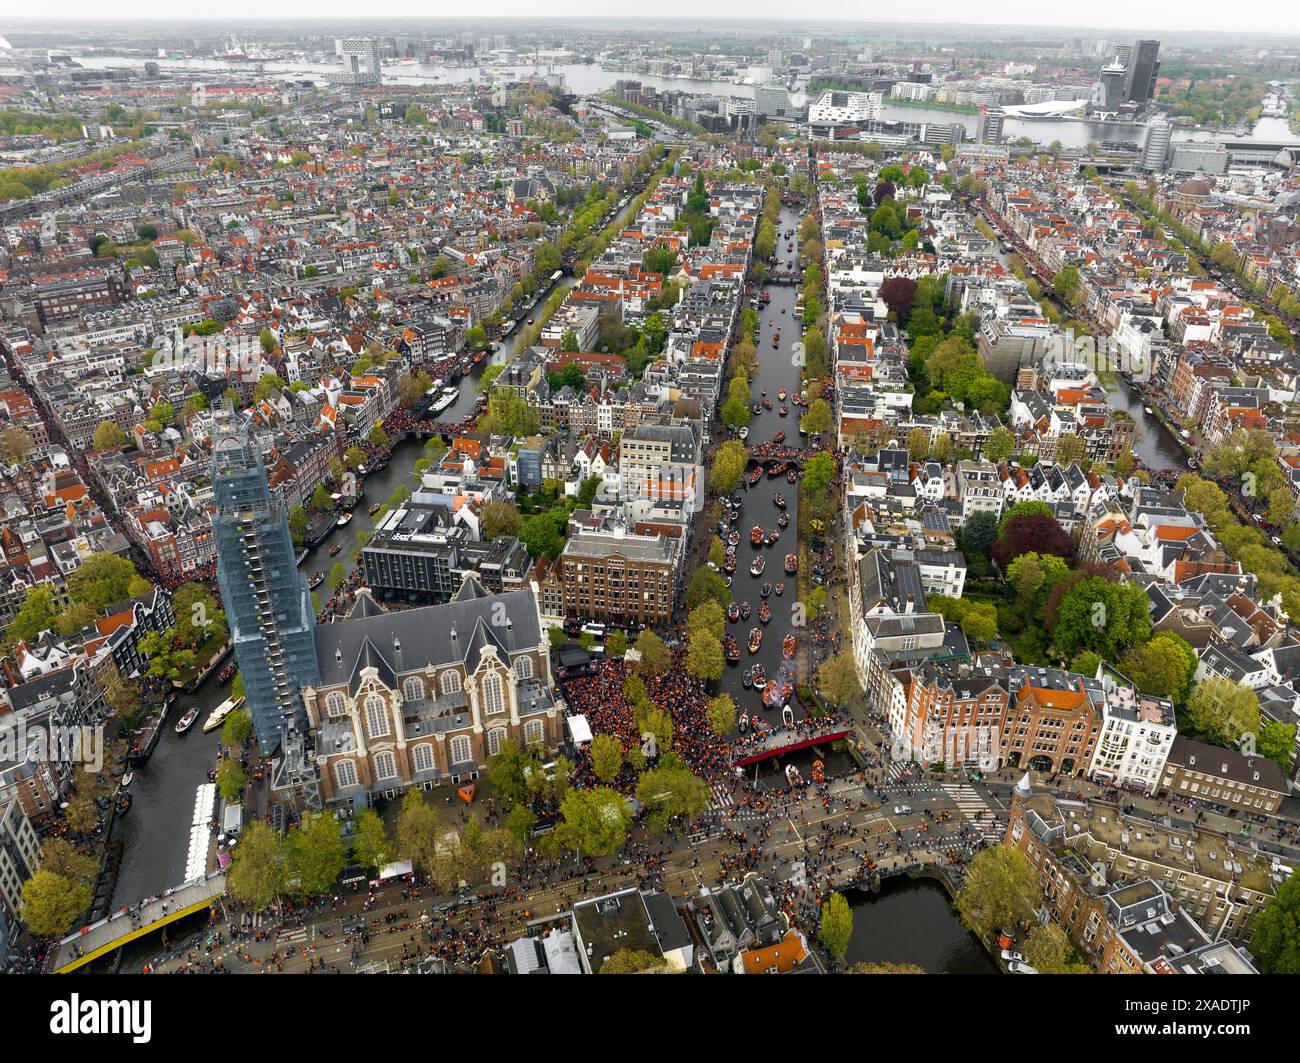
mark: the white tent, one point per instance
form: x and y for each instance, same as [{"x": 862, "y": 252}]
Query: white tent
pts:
[{"x": 579, "y": 730}]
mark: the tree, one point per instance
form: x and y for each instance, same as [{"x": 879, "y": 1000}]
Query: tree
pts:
[
  {"x": 722, "y": 714},
  {"x": 616, "y": 644},
  {"x": 236, "y": 729},
  {"x": 630, "y": 961},
  {"x": 1275, "y": 933},
  {"x": 501, "y": 518},
  {"x": 1001, "y": 889},
  {"x": 704, "y": 657},
  {"x": 1001, "y": 444},
  {"x": 837, "y": 679},
  {"x": 540, "y": 536},
  {"x": 899, "y": 293},
  {"x": 108, "y": 437},
  {"x": 1276, "y": 740},
  {"x": 836, "y": 927},
  {"x": 38, "y": 613},
  {"x": 52, "y": 903},
  {"x": 1220, "y": 711},
  {"x": 1042, "y": 535},
  {"x": 728, "y": 466},
  {"x": 671, "y": 789},
  {"x": 1070, "y": 449},
  {"x": 103, "y": 579},
  {"x": 371, "y": 846},
  {"x": 231, "y": 779},
  {"x": 979, "y": 532},
  {"x": 1066, "y": 283},
  {"x": 299, "y": 522},
  {"x": 316, "y": 854},
  {"x": 654, "y": 656},
  {"x": 819, "y": 417},
  {"x": 257, "y": 871},
  {"x": 1096, "y": 614},
  {"x": 377, "y": 437},
  {"x": 476, "y": 338},
  {"x": 1048, "y": 951},
  {"x": 918, "y": 444},
  {"x": 706, "y": 584},
  {"x": 606, "y": 757},
  {"x": 15, "y": 445},
  {"x": 594, "y": 821},
  {"x": 419, "y": 830},
  {"x": 1162, "y": 667}
]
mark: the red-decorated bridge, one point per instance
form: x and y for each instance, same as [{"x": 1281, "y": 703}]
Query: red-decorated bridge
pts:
[{"x": 788, "y": 740}]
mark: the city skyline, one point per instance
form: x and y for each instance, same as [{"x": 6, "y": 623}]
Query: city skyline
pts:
[{"x": 1196, "y": 16}]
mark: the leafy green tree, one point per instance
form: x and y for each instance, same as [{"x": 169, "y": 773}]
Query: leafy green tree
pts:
[
  {"x": 420, "y": 831},
  {"x": 655, "y": 658},
  {"x": 1000, "y": 445},
  {"x": 836, "y": 927},
  {"x": 257, "y": 873},
  {"x": 606, "y": 757},
  {"x": 837, "y": 679},
  {"x": 231, "y": 780},
  {"x": 593, "y": 821},
  {"x": 1103, "y": 616},
  {"x": 704, "y": 657},
  {"x": 722, "y": 714},
  {"x": 1001, "y": 889},
  {"x": 1276, "y": 740},
  {"x": 728, "y": 466},
  {"x": 1048, "y": 951},
  {"x": 236, "y": 729},
  {"x": 1162, "y": 667},
  {"x": 1220, "y": 711},
  {"x": 1275, "y": 932},
  {"x": 630, "y": 961},
  {"x": 371, "y": 845},
  {"x": 316, "y": 854},
  {"x": 706, "y": 584},
  {"x": 671, "y": 789},
  {"x": 108, "y": 436},
  {"x": 53, "y": 903}
]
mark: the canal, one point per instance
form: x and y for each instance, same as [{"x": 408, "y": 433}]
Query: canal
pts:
[
  {"x": 778, "y": 370},
  {"x": 913, "y": 921}
]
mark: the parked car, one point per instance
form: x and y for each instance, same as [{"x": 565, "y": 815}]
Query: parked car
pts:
[
  {"x": 902, "y": 810},
  {"x": 1277, "y": 540},
  {"x": 1012, "y": 957},
  {"x": 1021, "y": 968}
]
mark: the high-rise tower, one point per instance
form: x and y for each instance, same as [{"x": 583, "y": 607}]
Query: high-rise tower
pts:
[{"x": 267, "y": 603}]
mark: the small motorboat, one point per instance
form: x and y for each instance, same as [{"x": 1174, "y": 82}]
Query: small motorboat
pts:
[
  {"x": 317, "y": 578},
  {"x": 781, "y": 395},
  {"x": 778, "y": 501},
  {"x": 733, "y": 539},
  {"x": 779, "y": 589},
  {"x": 756, "y": 475},
  {"x": 743, "y": 723},
  {"x": 759, "y": 676},
  {"x": 783, "y": 410},
  {"x": 779, "y": 437},
  {"x": 726, "y": 580},
  {"x": 791, "y": 564},
  {"x": 334, "y": 550},
  {"x": 767, "y": 404},
  {"x": 731, "y": 649},
  {"x": 755, "y": 639},
  {"x": 764, "y": 612},
  {"x": 345, "y": 518},
  {"x": 743, "y": 433},
  {"x": 792, "y": 775},
  {"x": 733, "y": 613},
  {"x": 788, "y": 645},
  {"x": 756, "y": 569},
  {"x": 792, "y": 477},
  {"x": 771, "y": 537},
  {"x": 127, "y": 778},
  {"x": 374, "y": 509},
  {"x": 729, "y": 564},
  {"x": 747, "y": 678},
  {"x": 756, "y": 408},
  {"x": 187, "y": 721},
  {"x": 228, "y": 673},
  {"x": 763, "y": 393},
  {"x": 783, "y": 521},
  {"x": 123, "y": 805},
  {"x": 745, "y": 610},
  {"x": 756, "y": 535},
  {"x": 766, "y": 589}
]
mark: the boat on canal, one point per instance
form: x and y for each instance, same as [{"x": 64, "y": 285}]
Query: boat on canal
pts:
[{"x": 187, "y": 721}]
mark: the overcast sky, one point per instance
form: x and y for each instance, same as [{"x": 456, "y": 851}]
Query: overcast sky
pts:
[{"x": 1246, "y": 15}]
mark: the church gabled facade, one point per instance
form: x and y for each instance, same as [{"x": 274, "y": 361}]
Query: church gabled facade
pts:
[{"x": 422, "y": 697}]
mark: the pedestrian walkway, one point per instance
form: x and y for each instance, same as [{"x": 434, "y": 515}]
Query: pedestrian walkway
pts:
[
  {"x": 972, "y": 805},
  {"x": 722, "y": 799}
]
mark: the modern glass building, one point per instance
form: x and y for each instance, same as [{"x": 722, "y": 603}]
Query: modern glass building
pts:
[{"x": 267, "y": 602}]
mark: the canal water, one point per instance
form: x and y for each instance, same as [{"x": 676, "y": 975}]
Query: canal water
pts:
[
  {"x": 777, "y": 370},
  {"x": 913, "y": 921}
]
